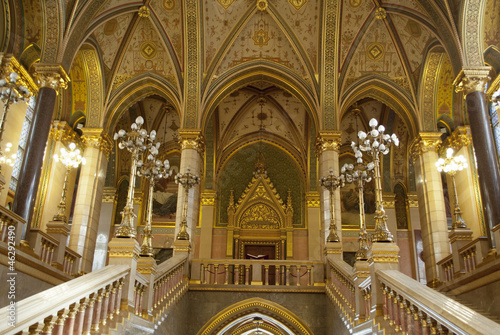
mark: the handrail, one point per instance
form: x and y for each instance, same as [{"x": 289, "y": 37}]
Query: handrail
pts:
[
  {"x": 36, "y": 308},
  {"x": 445, "y": 311}
]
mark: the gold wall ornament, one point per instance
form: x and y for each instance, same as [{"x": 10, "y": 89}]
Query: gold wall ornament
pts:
[
  {"x": 472, "y": 79},
  {"x": 9, "y": 64},
  {"x": 260, "y": 216},
  {"x": 61, "y": 131},
  {"x": 51, "y": 75},
  {"x": 375, "y": 51},
  {"x": 192, "y": 139},
  {"x": 380, "y": 13},
  {"x": 208, "y": 198},
  {"x": 168, "y": 4},
  {"x": 297, "y": 4},
  {"x": 312, "y": 200},
  {"x": 261, "y": 38},
  {"x": 96, "y": 138},
  {"x": 148, "y": 50},
  {"x": 460, "y": 137},
  {"x": 143, "y": 12},
  {"x": 328, "y": 140},
  {"x": 262, "y": 5},
  {"x": 109, "y": 195},
  {"x": 225, "y": 3},
  {"x": 423, "y": 143}
]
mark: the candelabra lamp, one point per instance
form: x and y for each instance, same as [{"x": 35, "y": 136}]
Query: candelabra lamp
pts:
[
  {"x": 152, "y": 169},
  {"x": 376, "y": 143},
  {"x": 451, "y": 165},
  {"x": 361, "y": 174},
  {"x": 187, "y": 180},
  {"x": 70, "y": 159},
  {"x": 136, "y": 141},
  {"x": 10, "y": 92},
  {"x": 331, "y": 183}
]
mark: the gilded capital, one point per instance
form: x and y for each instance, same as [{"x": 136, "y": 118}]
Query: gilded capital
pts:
[
  {"x": 61, "y": 131},
  {"x": 472, "y": 79},
  {"x": 192, "y": 139},
  {"x": 109, "y": 195},
  {"x": 328, "y": 140},
  {"x": 460, "y": 137},
  {"x": 96, "y": 138},
  {"x": 51, "y": 75},
  {"x": 8, "y": 64},
  {"x": 425, "y": 142},
  {"x": 208, "y": 198},
  {"x": 312, "y": 200}
]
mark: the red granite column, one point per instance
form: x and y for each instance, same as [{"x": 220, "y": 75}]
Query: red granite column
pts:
[
  {"x": 51, "y": 77},
  {"x": 472, "y": 81}
]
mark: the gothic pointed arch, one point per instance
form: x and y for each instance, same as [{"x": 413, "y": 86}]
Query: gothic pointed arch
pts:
[{"x": 239, "y": 318}]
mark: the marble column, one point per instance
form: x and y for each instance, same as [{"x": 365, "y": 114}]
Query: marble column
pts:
[
  {"x": 192, "y": 151},
  {"x": 208, "y": 200},
  {"x": 472, "y": 81},
  {"x": 89, "y": 195},
  {"x": 51, "y": 77},
  {"x": 431, "y": 203},
  {"x": 327, "y": 150},
  {"x": 105, "y": 222},
  {"x": 313, "y": 215}
]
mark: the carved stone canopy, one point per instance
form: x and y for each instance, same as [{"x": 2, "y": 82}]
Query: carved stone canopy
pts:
[{"x": 260, "y": 207}]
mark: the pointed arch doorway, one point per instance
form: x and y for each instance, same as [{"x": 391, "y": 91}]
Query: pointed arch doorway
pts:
[{"x": 256, "y": 314}]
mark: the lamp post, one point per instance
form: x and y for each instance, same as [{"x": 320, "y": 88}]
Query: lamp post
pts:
[
  {"x": 70, "y": 159},
  {"x": 374, "y": 143},
  {"x": 362, "y": 175},
  {"x": 331, "y": 183},
  {"x": 135, "y": 141},
  {"x": 10, "y": 92},
  {"x": 152, "y": 169},
  {"x": 187, "y": 180},
  {"x": 451, "y": 165}
]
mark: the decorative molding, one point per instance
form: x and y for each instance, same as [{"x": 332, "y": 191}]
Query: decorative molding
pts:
[
  {"x": 192, "y": 139},
  {"x": 461, "y": 137},
  {"x": 412, "y": 201},
  {"x": 143, "y": 12},
  {"x": 9, "y": 63},
  {"x": 208, "y": 198},
  {"x": 262, "y": 5},
  {"x": 472, "y": 79},
  {"x": 61, "y": 131},
  {"x": 109, "y": 195},
  {"x": 380, "y": 13},
  {"x": 51, "y": 75},
  {"x": 312, "y": 200},
  {"x": 328, "y": 140},
  {"x": 425, "y": 142}
]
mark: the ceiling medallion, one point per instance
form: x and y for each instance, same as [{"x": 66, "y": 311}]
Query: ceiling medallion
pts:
[
  {"x": 168, "y": 4},
  {"x": 261, "y": 5},
  {"x": 261, "y": 37},
  {"x": 380, "y": 13},
  {"x": 375, "y": 51},
  {"x": 225, "y": 3},
  {"x": 413, "y": 28},
  {"x": 148, "y": 50},
  {"x": 297, "y": 3},
  {"x": 355, "y": 3},
  {"x": 143, "y": 11}
]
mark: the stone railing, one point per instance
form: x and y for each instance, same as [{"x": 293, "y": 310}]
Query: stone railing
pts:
[
  {"x": 10, "y": 222},
  {"x": 341, "y": 288},
  {"x": 78, "y": 306},
  {"x": 413, "y": 308},
  {"x": 257, "y": 272},
  {"x": 473, "y": 253},
  {"x": 169, "y": 286},
  {"x": 447, "y": 268}
]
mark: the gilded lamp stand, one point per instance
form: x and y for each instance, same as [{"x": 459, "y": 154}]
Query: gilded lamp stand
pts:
[
  {"x": 187, "y": 180},
  {"x": 331, "y": 183}
]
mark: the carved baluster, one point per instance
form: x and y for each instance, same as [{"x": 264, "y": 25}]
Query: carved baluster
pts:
[
  {"x": 58, "y": 326},
  {"x": 105, "y": 305},
  {"x": 118, "y": 300},
  {"x": 36, "y": 329},
  {"x": 386, "y": 307},
  {"x": 216, "y": 274},
  {"x": 396, "y": 312},
  {"x": 141, "y": 299},
  {"x": 69, "y": 323},
  {"x": 426, "y": 324},
  {"x": 236, "y": 274},
  {"x": 51, "y": 254},
  {"x": 247, "y": 274},
  {"x": 202, "y": 274},
  {"x": 287, "y": 275},
  {"x": 80, "y": 316},
  {"x": 97, "y": 311},
  {"x": 89, "y": 313},
  {"x": 309, "y": 276},
  {"x": 226, "y": 274},
  {"x": 112, "y": 300},
  {"x": 297, "y": 272},
  {"x": 49, "y": 324}
]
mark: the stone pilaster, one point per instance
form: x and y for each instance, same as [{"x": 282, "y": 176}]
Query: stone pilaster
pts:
[
  {"x": 472, "y": 81},
  {"x": 313, "y": 215},
  {"x": 327, "y": 151},
  {"x": 431, "y": 203},
  {"x": 192, "y": 151},
  {"x": 51, "y": 77},
  {"x": 208, "y": 200},
  {"x": 89, "y": 195},
  {"x": 53, "y": 173}
]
